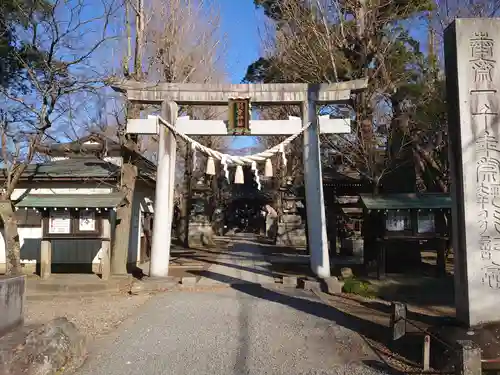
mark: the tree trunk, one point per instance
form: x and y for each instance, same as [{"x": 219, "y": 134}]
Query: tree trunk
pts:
[
  {"x": 186, "y": 198},
  {"x": 11, "y": 235},
  {"x": 129, "y": 173},
  {"x": 119, "y": 253},
  {"x": 280, "y": 181}
]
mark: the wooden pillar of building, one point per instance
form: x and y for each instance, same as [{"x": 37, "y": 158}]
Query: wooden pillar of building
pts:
[
  {"x": 105, "y": 247},
  {"x": 45, "y": 256}
]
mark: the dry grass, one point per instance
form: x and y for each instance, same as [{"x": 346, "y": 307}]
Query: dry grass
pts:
[{"x": 94, "y": 316}]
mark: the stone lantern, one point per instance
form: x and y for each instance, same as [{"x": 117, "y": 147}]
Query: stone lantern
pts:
[
  {"x": 291, "y": 227},
  {"x": 200, "y": 226}
]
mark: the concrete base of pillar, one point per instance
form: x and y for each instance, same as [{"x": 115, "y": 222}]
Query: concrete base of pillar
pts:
[
  {"x": 45, "y": 259},
  {"x": 105, "y": 265}
]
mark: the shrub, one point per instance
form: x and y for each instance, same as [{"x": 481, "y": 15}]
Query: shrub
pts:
[{"x": 358, "y": 287}]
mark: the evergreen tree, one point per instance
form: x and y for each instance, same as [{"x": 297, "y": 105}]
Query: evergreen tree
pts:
[{"x": 14, "y": 16}]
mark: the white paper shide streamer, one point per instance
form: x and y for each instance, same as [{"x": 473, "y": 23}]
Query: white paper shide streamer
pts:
[
  {"x": 210, "y": 166},
  {"x": 225, "y": 167},
  {"x": 256, "y": 174},
  {"x": 239, "y": 161},
  {"x": 193, "y": 149},
  {"x": 283, "y": 155}
]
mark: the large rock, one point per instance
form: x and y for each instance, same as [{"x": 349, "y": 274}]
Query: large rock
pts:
[
  {"x": 346, "y": 273},
  {"x": 46, "y": 350}
]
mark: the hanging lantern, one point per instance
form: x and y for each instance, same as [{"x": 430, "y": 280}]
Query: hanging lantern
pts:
[
  {"x": 268, "y": 171},
  {"x": 210, "y": 166},
  {"x": 238, "y": 177}
]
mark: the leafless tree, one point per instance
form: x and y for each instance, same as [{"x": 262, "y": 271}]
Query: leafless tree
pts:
[
  {"x": 331, "y": 41},
  {"x": 66, "y": 71},
  {"x": 175, "y": 41}
]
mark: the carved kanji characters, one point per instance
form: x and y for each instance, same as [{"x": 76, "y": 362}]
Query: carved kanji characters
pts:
[
  {"x": 491, "y": 276},
  {"x": 488, "y": 170},
  {"x": 482, "y": 57}
]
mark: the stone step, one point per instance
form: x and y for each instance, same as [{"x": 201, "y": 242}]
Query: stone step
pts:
[{"x": 68, "y": 287}]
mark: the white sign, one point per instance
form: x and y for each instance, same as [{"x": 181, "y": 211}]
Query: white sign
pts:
[
  {"x": 426, "y": 222},
  {"x": 396, "y": 221},
  {"x": 60, "y": 222},
  {"x": 86, "y": 222}
]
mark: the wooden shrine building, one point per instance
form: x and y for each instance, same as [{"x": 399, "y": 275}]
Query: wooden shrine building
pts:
[{"x": 66, "y": 208}]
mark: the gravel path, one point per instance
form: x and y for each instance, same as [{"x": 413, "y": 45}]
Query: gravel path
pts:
[
  {"x": 94, "y": 316},
  {"x": 252, "y": 330}
]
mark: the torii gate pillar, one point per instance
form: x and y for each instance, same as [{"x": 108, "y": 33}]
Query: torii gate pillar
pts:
[
  {"x": 317, "y": 238},
  {"x": 164, "y": 194}
]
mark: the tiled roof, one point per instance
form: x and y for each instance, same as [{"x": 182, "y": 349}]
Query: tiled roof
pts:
[
  {"x": 72, "y": 200},
  {"x": 405, "y": 201},
  {"x": 73, "y": 168},
  {"x": 80, "y": 168}
]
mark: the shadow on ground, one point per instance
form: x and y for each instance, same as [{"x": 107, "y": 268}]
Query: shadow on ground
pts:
[
  {"x": 418, "y": 290},
  {"x": 407, "y": 350}
]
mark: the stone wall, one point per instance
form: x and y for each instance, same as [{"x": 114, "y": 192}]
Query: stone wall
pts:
[{"x": 11, "y": 302}]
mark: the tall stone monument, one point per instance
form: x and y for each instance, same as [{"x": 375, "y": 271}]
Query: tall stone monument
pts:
[{"x": 472, "y": 53}]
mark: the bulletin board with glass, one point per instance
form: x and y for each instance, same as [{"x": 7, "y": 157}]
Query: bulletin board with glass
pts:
[{"x": 71, "y": 223}]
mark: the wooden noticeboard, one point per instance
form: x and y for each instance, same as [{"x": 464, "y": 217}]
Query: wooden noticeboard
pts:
[
  {"x": 59, "y": 222},
  {"x": 73, "y": 223}
]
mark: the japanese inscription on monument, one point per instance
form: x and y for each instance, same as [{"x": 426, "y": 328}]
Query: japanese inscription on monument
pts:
[
  {"x": 472, "y": 51},
  {"x": 485, "y": 125}
]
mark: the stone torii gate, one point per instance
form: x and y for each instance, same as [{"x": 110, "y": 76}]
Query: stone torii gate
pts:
[{"x": 308, "y": 96}]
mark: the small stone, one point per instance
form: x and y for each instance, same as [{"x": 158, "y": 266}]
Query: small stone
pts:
[
  {"x": 137, "y": 287},
  {"x": 312, "y": 285},
  {"x": 188, "y": 280},
  {"x": 290, "y": 281},
  {"x": 333, "y": 285},
  {"x": 346, "y": 273}
]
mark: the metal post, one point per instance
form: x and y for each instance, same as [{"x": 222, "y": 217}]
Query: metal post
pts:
[
  {"x": 468, "y": 359},
  {"x": 426, "y": 353},
  {"x": 398, "y": 320}
]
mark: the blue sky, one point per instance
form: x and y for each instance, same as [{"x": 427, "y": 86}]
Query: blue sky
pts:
[{"x": 240, "y": 21}]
